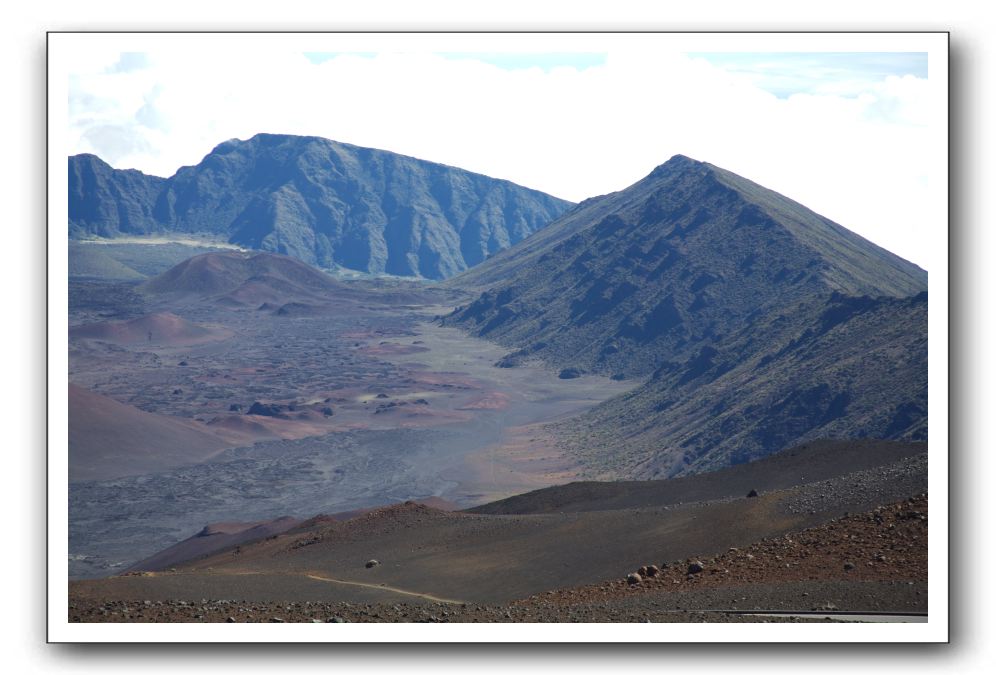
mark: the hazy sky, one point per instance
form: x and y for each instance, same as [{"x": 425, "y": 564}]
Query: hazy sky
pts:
[{"x": 847, "y": 134}]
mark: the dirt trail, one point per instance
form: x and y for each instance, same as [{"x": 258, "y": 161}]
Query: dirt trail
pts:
[{"x": 382, "y": 587}]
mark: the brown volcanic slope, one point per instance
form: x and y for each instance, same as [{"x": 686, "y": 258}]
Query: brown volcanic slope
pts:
[
  {"x": 213, "y": 538},
  {"x": 247, "y": 279},
  {"x": 108, "y": 439},
  {"x": 427, "y": 554},
  {"x": 161, "y": 328},
  {"x": 220, "y": 536},
  {"x": 870, "y": 562}
]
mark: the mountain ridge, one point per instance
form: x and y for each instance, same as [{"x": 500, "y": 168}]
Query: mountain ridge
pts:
[
  {"x": 327, "y": 203},
  {"x": 678, "y": 256},
  {"x": 709, "y": 287}
]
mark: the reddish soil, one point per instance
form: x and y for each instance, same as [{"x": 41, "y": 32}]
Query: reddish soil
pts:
[{"x": 161, "y": 329}]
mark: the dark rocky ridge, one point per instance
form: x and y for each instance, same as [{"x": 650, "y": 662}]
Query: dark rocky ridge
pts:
[
  {"x": 630, "y": 281},
  {"x": 329, "y": 204},
  {"x": 104, "y": 201},
  {"x": 770, "y": 387},
  {"x": 758, "y": 323}
]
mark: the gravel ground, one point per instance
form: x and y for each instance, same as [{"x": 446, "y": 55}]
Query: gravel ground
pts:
[
  {"x": 866, "y": 488},
  {"x": 870, "y": 562},
  {"x": 885, "y": 545},
  {"x": 684, "y": 606}
]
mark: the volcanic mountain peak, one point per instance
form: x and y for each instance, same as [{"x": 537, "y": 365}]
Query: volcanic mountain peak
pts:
[
  {"x": 848, "y": 262},
  {"x": 677, "y": 162},
  {"x": 684, "y": 255},
  {"x": 722, "y": 292}
]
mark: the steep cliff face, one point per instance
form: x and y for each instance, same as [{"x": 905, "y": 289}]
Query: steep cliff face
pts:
[
  {"x": 329, "y": 204},
  {"x": 106, "y": 202}
]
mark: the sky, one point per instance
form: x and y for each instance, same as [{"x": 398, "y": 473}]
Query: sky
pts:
[{"x": 847, "y": 134}]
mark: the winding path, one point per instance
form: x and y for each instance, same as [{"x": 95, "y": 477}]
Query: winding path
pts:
[{"x": 381, "y": 587}]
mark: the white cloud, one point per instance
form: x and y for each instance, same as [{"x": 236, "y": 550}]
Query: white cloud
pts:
[{"x": 856, "y": 158}]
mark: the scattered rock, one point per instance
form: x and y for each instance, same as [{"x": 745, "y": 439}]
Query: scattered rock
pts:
[
  {"x": 266, "y": 409},
  {"x": 848, "y": 566},
  {"x": 633, "y": 578},
  {"x": 372, "y": 563},
  {"x": 695, "y": 567},
  {"x": 327, "y": 411},
  {"x": 752, "y": 493},
  {"x": 235, "y": 407}
]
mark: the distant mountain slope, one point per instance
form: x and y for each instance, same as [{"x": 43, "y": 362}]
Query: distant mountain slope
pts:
[
  {"x": 682, "y": 258},
  {"x": 844, "y": 368},
  {"x": 759, "y": 323},
  {"x": 89, "y": 261},
  {"x": 326, "y": 203},
  {"x": 148, "y": 259},
  {"x": 104, "y": 201}
]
